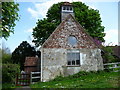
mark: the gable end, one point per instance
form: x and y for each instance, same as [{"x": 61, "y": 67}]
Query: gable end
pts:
[{"x": 69, "y": 27}]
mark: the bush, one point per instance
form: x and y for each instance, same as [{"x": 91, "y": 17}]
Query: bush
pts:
[
  {"x": 108, "y": 55},
  {"x": 6, "y": 55},
  {"x": 9, "y": 72}
]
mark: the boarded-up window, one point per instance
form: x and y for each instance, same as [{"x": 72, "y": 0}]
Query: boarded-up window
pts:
[{"x": 73, "y": 57}]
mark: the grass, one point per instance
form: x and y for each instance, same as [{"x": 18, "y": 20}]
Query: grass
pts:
[
  {"x": 99, "y": 79},
  {"x": 9, "y": 86}
]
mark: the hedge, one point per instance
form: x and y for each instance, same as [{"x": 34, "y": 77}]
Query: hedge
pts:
[{"x": 9, "y": 72}]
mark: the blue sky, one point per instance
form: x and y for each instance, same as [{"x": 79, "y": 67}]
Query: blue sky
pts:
[{"x": 30, "y": 12}]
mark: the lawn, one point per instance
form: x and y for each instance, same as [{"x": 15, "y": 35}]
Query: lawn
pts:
[{"x": 99, "y": 79}]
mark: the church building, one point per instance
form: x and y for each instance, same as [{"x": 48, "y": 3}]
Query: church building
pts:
[{"x": 69, "y": 49}]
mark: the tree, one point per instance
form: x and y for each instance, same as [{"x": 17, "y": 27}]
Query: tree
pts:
[
  {"x": 5, "y": 54},
  {"x": 87, "y": 17},
  {"x": 6, "y": 57},
  {"x": 21, "y": 52},
  {"x": 9, "y": 70},
  {"x": 108, "y": 56},
  {"x": 8, "y": 18}
]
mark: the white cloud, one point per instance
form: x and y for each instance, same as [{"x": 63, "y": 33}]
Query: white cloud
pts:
[
  {"x": 42, "y": 8},
  {"x": 33, "y": 12},
  {"x": 111, "y": 37},
  {"x": 63, "y": 0},
  {"x": 30, "y": 30},
  {"x": 92, "y": 6},
  {"x": 29, "y": 40}
]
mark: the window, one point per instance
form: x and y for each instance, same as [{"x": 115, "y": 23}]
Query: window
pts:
[
  {"x": 73, "y": 57},
  {"x": 67, "y": 8},
  {"x": 70, "y": 8},
  {"x": 63, "y": 8},
  {"x": 72, "y": 40}
]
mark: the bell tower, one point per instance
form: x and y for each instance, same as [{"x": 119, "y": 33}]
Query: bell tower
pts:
[{"x": 66, "y": 9}]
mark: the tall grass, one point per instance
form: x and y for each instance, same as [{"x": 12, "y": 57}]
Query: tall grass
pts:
[{"x": 98, "y": 79}]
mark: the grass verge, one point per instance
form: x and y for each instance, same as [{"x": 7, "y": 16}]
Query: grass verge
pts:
[{"x": 99, "y": 79}]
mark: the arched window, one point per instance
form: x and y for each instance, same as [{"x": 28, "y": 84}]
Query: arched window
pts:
[
  {"x": 72, "y": 40},
  {"x": 70, "y": 8},
  {"x": 64, "y": 8},
  {"x": 67, "y": 8}
]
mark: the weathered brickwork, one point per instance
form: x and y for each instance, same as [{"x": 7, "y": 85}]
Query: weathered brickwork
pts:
[{"x": 69, "y": 27}]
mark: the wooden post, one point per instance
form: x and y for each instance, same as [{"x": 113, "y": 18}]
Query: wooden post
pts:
[
  {"x": 31, "y": 78},
  {"x": 16, "y": 79}
]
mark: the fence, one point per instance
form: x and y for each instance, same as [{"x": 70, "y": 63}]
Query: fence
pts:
[
  {"x": 23, "y": 79},
  {"x": 112, "y": 66},
  {"x": 35, "y": 77}
]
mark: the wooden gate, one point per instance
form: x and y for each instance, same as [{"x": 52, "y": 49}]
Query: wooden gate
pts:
[
  {"x": 35, "y": 77},
  {"x": 23, "y": 80},
  {"x": 115, "y": 67}
]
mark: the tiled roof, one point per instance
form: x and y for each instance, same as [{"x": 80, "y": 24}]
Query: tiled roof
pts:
[{"x": 66, "y": 4}]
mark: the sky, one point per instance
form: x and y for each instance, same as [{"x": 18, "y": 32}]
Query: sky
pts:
[{"x": 30, "y": 12}]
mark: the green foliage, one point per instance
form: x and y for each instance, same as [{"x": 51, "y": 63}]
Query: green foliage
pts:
[
  {"x": 9, "y": 16},
  {"x": 9, "y": 72},
  {"x": 21, "y": 52},
  {"x": 0, "y": 56},
  {"x": 92, "y": 79},
  {"x": 6, "y": 57},
  {"x": 87, "y": 17},
  {"x": 7, "y": 86},
  {"x": 77, "y": 75},
  {"x": 108, "y": 55},
  {"x": 40, "y": 31}
]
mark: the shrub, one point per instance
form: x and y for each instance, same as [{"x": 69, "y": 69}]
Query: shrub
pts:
[
  {"x": 9, "y": 72},
  {"x": 108, "y": 55}
]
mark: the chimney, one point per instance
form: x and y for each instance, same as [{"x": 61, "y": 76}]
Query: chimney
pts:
[{"x": 66, "y": 9}]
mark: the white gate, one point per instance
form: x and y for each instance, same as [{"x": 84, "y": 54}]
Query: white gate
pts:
[
  {"x": 112, "y": 66},
  {"x": 35, "y": 77}
]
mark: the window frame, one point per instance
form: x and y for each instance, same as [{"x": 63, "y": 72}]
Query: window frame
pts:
[
  {"x": 69, "y": 41},
  {"x": 75, "y": 59}
]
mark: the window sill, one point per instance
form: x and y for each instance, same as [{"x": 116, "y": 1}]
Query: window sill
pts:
[{"x": 73, "y": 65}]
